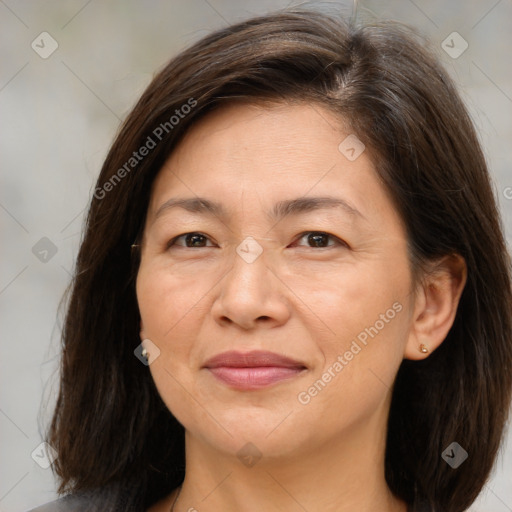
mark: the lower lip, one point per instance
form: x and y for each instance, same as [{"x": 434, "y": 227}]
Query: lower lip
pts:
[{"x": 254, "y": 378}]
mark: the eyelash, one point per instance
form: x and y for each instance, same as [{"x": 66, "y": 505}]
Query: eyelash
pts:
[{"x": 340, "y": 242}]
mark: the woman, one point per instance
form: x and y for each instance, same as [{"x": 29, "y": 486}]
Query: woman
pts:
[{"x": 293, "y": 292}]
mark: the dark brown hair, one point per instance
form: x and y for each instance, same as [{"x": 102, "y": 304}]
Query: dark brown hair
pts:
[{"x": 110, "y": 426}]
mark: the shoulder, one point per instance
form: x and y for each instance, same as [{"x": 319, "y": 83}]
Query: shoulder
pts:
[
  {"x": 109, "y": 498},
  {"x": 66, "y": 504}
]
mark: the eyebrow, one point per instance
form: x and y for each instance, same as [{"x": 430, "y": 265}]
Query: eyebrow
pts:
[{"x": 281, "y": 209}]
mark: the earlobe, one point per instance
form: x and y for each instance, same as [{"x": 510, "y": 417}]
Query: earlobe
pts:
[{"x": 436, "y": 304}]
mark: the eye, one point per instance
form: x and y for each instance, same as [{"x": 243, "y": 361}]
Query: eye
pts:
[
  {"x": 321, "y": 240},
  {"x": 190, "y": 240}
]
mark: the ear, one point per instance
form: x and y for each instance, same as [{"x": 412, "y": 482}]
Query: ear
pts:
[
  {"x": 142, "y": 337},
  {"x": 436, "y": 302}
]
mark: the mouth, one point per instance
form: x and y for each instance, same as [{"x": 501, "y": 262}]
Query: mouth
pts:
[{"x": 253, "y": 370}]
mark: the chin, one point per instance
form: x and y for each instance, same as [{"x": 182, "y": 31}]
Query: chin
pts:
[{"x": 240, "y": 429}]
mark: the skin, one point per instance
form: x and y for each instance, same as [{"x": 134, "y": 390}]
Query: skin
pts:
[{"x": 296, "y": 299}]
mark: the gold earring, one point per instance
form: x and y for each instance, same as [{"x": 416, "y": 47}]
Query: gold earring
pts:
[{"x": 423, "y": 349}]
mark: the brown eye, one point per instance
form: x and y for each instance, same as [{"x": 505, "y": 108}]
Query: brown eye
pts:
[
  {"x": 320, "y": 239},
  {"x": 190, "y": 240}
]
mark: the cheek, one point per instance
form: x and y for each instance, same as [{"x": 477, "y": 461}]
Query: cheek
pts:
[
  {"x": 367, "y": 313},
  {"x": 166, "y": 305},
  {"x": 165, "y": 299},
  {"x": 351, "y": 297},
  {"x": 356, "y": 380}
]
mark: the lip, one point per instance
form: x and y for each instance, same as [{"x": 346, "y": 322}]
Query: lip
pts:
[{"x": 253, "y": 370}]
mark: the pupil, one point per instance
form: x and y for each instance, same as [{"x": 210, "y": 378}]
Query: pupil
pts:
[
  {"x": 195, "y": 240},
  {"x": 317, "y": 239}
]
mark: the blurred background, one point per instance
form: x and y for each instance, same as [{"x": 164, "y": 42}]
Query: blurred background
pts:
[{"x": 70, "y": 73}]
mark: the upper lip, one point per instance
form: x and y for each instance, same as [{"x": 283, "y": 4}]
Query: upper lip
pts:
[{"x": 253, "y": 359}]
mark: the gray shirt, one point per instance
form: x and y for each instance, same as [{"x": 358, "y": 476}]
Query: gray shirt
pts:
[
  {"x": 65, "y": 504},
  {"x": 104, "y": 499}
]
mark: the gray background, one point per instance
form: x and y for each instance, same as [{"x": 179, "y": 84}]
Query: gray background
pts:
[{"x": 58, "y": 117}]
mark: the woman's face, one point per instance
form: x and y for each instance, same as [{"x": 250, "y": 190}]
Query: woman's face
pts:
[{"x": 281, "y": 307}]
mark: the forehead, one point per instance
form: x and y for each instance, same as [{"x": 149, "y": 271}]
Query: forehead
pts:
[
  {"x": 275, "y": 140},
  {"x": 264, "y": 131},
  {"x": 267, "y": 153}
]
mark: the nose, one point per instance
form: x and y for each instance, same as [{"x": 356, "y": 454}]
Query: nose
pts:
[{"x": 251, "y": 295}]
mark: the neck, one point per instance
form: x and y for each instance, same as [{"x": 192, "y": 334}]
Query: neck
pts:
[{"x": 339, "y": 476}]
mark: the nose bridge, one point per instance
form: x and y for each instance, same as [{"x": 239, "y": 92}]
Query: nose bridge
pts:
[
  {"x": 250, "y": 292},
  {"x": 249, "y": 273}
]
